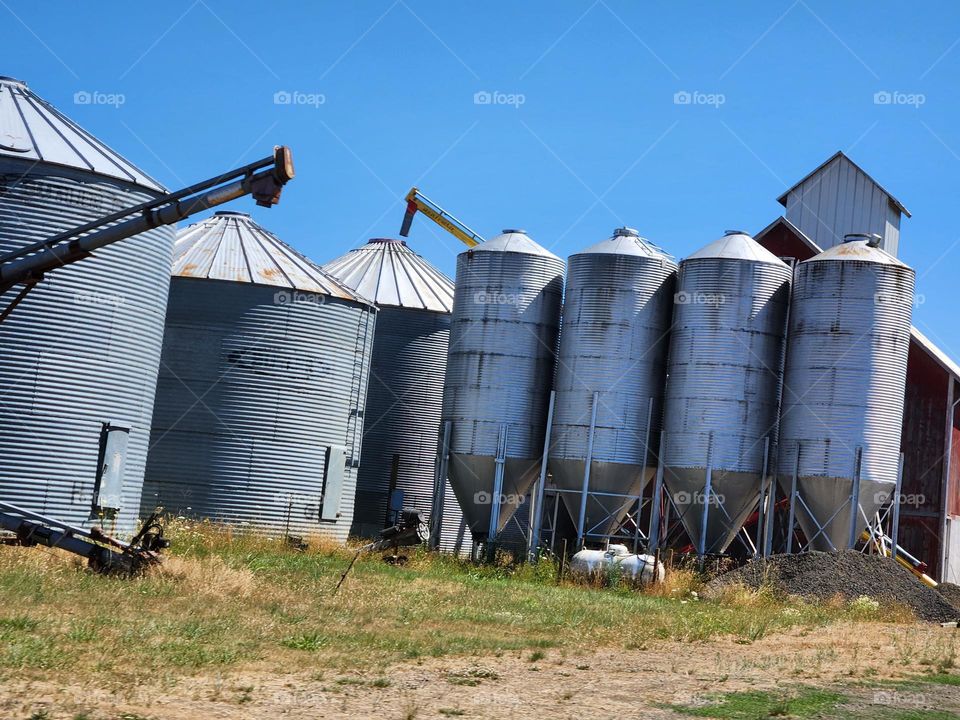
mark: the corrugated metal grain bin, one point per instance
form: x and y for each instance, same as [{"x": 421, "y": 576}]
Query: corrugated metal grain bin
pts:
[
  {"x": 844, "y": 384},
  {"x": 613, "y": 343},
  {"x": 259, "y": 412},
  {"x": 80, "y": 354},
  {"x": 503, "y": 342},
  {"x": 404, "y": 401},
  {"x": 720, "y": 409}
]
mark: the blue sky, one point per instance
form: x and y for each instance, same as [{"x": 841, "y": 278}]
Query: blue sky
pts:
[{"x": 587, "y": 136}]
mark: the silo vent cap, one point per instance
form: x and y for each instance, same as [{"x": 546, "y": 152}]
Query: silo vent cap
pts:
[
  {"x": 873, "y": 240},
  {"x": 511, "y": 231},
  {"x": 231, "y": 213},
  {"x": 391, "y": 241},
  {"x": 12, "y": 80},
  {"x": 735, "y": 232},
  {"x": 626, "y": 232}
]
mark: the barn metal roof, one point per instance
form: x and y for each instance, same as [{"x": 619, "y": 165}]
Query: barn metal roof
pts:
[
  {"x": 231, "y": 246},
  {"x": 736, "y": 245},
  {"x": 33, "y": 129},
  {"x": 830, "y": 160},
  {"x": 391, "y": 274}
]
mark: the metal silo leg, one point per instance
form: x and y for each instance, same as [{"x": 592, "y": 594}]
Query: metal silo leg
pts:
[
  {"x": 536, "y": 512},
  {"x": 895, "y": 530},
  {"x": 792, "y": 515},
  {"x": 855, "y": 497},
  {"x": 581, "y": 521}
]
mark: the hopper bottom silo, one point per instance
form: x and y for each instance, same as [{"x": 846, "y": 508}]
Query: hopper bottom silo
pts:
[
  {"x": 609, "y": 484},
  {"x": 471, "y": 477}
]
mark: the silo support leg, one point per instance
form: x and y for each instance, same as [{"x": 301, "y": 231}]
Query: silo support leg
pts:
[
  {"x": 792, "y": 513},
  {"x": 588, "y": 461},
  {"x": 497, "y": 495},
  {"x": 855, "y": 498},
  {"x": 440, "y": 487},
  {"x": 895, "y": 530},
  {"x": 536, "y": 512},
  {"x": 656, "y": 500}
]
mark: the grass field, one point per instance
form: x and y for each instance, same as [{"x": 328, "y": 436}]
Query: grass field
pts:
[{"x": 229, "y": 607}]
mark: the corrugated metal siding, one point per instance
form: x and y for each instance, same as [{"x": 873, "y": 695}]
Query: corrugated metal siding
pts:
[
  {"x": 724, "y": 360},
  {"x": 503, "y": 342},
  {"x": 250, "y": 395},
  {"x": 81, "y": 350},
  {"x": 841, "y": 199},
  {"x": 402, "y": 417}
]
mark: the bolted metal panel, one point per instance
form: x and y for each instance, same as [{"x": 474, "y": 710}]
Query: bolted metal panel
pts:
[
  {"x": 726, "y": 347},
  {"x": 503, "y": 340},
  {"x": 261, "y": 395},
  {"x": 404, "y": 400},
  {"x": 81, "y": 351},
  {"x": 844, "y": 382},
  {"x": 614, "y": 341}
]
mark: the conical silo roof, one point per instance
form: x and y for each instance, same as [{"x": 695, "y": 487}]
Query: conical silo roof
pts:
[
  {"x": 392, "y": 275},
  {"x": 231, "y": 246},
  {"x": 626, "y": 241},
  {"x": 860, "y": 248},
  {"x": 513, "y": 241},
  {"x": 33, "y": 129},
  {"x": 736, "y": 245}
]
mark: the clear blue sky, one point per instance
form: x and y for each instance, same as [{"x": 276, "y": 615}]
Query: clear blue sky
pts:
[{"x": 597, "y": 142}]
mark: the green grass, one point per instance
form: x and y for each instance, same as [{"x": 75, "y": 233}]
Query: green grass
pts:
[
  {"x": 806, "y": 703},
  {"x": 227, "y": 599}
]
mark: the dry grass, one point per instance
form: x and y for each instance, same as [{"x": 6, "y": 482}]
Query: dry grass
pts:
[{"x": 225, "y": 599}]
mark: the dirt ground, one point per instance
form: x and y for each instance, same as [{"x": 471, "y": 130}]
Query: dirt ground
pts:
[{"x": 603, "y": 683}]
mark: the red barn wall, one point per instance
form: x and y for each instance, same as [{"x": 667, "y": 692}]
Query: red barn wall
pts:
[{"x": 923, "y": 443}]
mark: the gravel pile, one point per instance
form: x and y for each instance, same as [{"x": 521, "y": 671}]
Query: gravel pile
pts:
[
  {"x": 850, "y": 574},
  {"x": 951, "y": 592}
]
